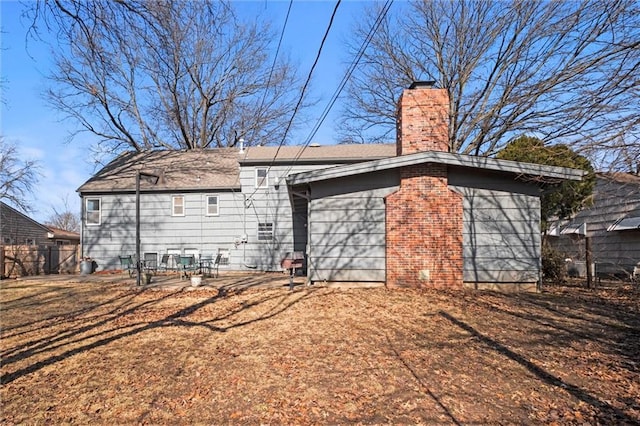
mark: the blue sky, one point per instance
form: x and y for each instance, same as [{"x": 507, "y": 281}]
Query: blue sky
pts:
[{"x": 41, "y": 133}]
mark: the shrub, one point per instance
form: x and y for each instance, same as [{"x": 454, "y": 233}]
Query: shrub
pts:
[{"x": 553, "y": 264}]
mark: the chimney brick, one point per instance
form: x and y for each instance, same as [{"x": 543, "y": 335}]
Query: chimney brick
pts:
[
  {"x": 423, "y": 121},
  {"x": 424, "y": 217}
]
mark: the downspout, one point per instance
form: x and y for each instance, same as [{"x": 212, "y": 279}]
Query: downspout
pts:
[
  {"x": 244, "y": 239},
  {"x": 82, "y": 224}
]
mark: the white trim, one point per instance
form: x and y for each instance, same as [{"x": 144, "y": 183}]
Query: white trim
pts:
[{"x": 86, "y": 211}]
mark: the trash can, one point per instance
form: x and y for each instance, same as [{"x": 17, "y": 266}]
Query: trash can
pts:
[{"x": 86, "y": 267}]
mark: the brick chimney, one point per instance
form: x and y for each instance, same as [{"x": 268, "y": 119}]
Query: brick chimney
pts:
[
  {"x": 423, "y": 217},
  {"x": 423, "y": 119}
]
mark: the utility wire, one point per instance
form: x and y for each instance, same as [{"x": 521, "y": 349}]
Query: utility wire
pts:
[
  {"x": 343, "y": 82},
  {"x": 306, "y": 84},
  {"x": 302, "y": 92},
  {"x": 275, "y": 58}
]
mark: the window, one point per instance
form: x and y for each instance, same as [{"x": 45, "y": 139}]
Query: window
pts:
[
  {"x": 7, "y": 240},
  {"x": 265, "y": 231},
  {"x": 262, "y": 178},
  {"x": 177, "y": 205},
  {"x": 30, "y": 242},
  {"x": 212, "y": 205},
  {"x": 93, "y": 215}
]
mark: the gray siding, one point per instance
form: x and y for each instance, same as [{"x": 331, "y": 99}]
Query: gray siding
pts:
[
  {"x": 17, "y": 228},
  {"x": 501, "y": 234},
  {"x": 347, "y": 227},
  {"x": 237, "y": 222},
  {"x": 612, "y": 201}
]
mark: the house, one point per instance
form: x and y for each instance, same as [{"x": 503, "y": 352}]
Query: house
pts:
[
  {"x": 612, "y": 223},
  {"x": 205, "y": 202},
  {"x": 30, "y": 248},
  {"x": 16, "y": 228},
  {"x": 409, "y": 214}
]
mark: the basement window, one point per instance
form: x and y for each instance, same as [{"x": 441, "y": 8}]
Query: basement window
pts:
[{"x": 265, "y": 231}]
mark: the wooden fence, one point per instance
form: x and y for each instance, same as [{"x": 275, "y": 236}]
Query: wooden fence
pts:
[{"x": 23, "y": 260}]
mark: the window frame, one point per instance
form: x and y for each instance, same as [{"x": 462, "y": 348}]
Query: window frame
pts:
[
  {"x": 88, "y": 212},
  {"x": 217, "y": 204},
  {"x": 265, "y": 235},
  {"x": 262, "y": 183},
  {"x": 173, "y": 205}
]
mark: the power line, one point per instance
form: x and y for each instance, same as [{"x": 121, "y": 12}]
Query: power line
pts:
[
  {"x": 345, "y": 79},
  {"x": 275, "y": 58},
  {"x": 306, "y": 84},
  {"x": 363, "y": 47},
  {"x": 304, "y": 89}
]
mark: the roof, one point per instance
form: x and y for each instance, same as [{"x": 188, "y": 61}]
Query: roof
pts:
[
  {"x": 450, "y": 159},
  {"x": 63, "y": 234},
  {"x": 318, "y": 153},
  {"x": 178, "y": 170},
  {"x": 620, "y": 177},
  {"x": 4, "y": 205}
]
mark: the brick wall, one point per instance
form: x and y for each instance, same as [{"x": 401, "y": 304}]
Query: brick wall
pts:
[{"x": 424, "y": 217}]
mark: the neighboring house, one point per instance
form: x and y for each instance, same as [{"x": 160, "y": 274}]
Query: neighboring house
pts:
[
  {"x": 16, "y": 228},
  {"x": 409, "y": 214},
  {"x": 62, "y": 237},
  {"x": 30, "y": 248},
  {"x": 612, "y": 223}
]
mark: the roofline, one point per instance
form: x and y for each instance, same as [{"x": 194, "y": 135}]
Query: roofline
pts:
[
  {"x": 44, "y": 227},
  {"x": 450, "y": 159},
  {"x": 81, "y": 192},
  {"x": 318, "y": 160}
]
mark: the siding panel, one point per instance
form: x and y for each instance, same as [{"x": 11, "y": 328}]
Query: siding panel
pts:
[
  {"x": 501, "y": 236},
  {"x": 347, "y": 228}
]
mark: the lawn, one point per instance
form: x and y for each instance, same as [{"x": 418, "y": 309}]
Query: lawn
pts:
[{"x": 88, "y": 353}]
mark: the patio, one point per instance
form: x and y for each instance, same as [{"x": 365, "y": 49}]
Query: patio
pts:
[{"x": 226, "y": 281}]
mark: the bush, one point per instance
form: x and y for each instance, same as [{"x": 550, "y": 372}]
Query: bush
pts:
[{"x": 553, "y": 264}]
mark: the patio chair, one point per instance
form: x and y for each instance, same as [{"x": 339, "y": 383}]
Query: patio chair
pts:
[
  {"x": 167, "y": 263},
  {"x": 187, "y": 266},
  {"x": 127, "y": 264},
  {"x": 150, "y": 264},
  {"x": 215, "y": 265}
]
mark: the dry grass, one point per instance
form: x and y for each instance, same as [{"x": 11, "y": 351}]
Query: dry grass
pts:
[{"x": 75, "y": 353}]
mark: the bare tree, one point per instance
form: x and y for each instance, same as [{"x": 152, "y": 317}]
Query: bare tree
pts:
[
  {"x": 562, "y": 71},
  {"x": 17, "y": 176},
  {"x": 64, "y": 219},
  {"x": 167, "y": 74}
]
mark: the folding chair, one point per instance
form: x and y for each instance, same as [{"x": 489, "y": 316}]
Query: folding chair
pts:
[
  {"x": 215, "y": 265},
  {"x": 187, "y": 265},
  {"x": 126, "y": 263}
]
